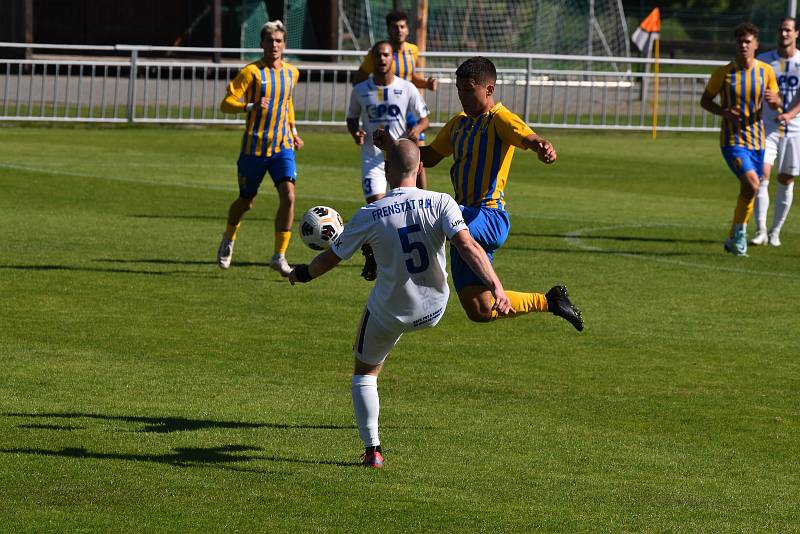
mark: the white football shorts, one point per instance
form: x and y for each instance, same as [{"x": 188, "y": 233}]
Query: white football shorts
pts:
[
  {"x": 783, "y": 153},
  {"x": 373, "y": 174},
  {"x": 374, "y": 340}
]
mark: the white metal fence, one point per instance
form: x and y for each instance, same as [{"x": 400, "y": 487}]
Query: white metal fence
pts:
[{"x": 553, "y": 91}]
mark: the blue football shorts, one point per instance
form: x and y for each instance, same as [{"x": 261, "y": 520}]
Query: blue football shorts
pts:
[
  {"x": 252, "y": 169},
  {"x": 489, "y": 227},
  {"x": 412, "y": 121},
  {"x": 741, "y": 159}
]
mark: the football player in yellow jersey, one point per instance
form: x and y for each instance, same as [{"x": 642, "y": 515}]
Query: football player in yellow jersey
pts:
[
  {"x": 405, "y": 55},
  {"x": 263, "y": 90},
  {"x": 743, "y": 85},
  {"x": 481, "y": 140}
]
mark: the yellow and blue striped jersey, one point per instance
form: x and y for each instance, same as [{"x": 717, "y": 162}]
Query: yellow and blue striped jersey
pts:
[
  {"x": 405, "y": 61},
  {"x": 267, "y": 131},
  {"x": 482, "y": 149},
  {"x": 743, "y": 89}
]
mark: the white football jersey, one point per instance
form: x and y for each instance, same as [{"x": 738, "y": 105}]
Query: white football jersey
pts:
[
  {"x": 406, "y": 229},
  {"x": 787, "y": 72},
  {"x": 385, "y": 107}
]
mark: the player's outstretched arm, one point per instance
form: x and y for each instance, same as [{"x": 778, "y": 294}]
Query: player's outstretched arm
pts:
[
  {"x": 429, "y": 157},
  {"x": 382, "y": 139},
  {"x": 421, "y": 82},
  {"x": 324, "y": 262},
  {"x": 543, "y": 148},
  {"x": 477, "y": 260}
]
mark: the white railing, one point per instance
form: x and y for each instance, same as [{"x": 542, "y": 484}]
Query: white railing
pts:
[{"x": 554, "y": 91}]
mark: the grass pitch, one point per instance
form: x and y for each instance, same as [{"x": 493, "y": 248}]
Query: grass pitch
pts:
[{"x": 143, "y": 389}]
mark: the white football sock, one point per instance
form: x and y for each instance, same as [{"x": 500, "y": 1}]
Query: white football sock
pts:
[
  {"x": 366, "y": 405},
  {"x": 761, "y": 206},
  {"x": 783, "y": 201}
]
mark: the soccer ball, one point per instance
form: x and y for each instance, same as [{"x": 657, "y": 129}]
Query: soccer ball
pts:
[{"x": 320, "y": 226}]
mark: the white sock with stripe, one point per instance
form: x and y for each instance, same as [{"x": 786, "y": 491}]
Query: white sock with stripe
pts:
[
  {"x": 783, "y": 201},
  {"x": 366, "y": 406},
  {"x": 761, "y": 206}
]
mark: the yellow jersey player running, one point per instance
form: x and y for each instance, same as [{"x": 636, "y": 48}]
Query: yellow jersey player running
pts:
[
  {"x": 743, "y": 85},
  {"x": 482, "y": 140},
  {"x": 263, "y": 90}
]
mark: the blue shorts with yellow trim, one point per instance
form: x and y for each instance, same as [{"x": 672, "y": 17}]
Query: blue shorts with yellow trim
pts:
[
  {"x": 252, "y": 169},
  {"x": 489, "y": 227},
  {"x": 741, "y": 159}
]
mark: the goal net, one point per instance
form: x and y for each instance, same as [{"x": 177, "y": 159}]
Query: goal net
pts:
[{"x": 579, "y": 27}]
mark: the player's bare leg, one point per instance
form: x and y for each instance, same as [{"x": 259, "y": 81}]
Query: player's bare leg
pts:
[
  {"x": 236, "y": 211},
  {"x": 736, "y": 243},
  {"x": 283, "y": 227},
  {"x": 478, "y": 303}
]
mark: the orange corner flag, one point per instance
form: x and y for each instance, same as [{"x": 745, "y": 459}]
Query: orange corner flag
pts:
[{"x": 647, "y": 32}]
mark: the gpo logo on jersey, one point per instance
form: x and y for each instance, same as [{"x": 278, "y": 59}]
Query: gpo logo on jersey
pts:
[
  {"x": 382, "y": 110},
  {"x": 788, "y": 81}
]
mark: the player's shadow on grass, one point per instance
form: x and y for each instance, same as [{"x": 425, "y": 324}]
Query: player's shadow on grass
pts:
[
  {"x": 235, "y": 263},
  {"x": 162, "y": 261},
  {"x": 166, "y": 425},
  {"x": 182, "y": 456},
  {"x": 194, "y": 217},
  {"x": 103, "y": 270}
]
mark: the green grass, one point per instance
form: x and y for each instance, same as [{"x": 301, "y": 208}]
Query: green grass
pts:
[{"x": 145, "y": 390}]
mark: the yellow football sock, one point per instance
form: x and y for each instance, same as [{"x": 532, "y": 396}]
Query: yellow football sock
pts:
[
  {"x": 524, "y": 303},
  {"x": 742, "y": 213},
  {"x": 231, "y": 231},
  {"x": 282, "y": 242}
]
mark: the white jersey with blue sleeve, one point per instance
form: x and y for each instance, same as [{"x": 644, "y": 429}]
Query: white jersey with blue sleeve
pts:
[
  {"x": 406, "y": 229},
  {"x": 787, "y": 71}
]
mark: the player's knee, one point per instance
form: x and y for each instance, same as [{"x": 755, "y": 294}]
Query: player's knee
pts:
[
  {"x": 478, "y": 313},
  {"x": 287, "y": 196},
  {"x": 246, "y": 204}
]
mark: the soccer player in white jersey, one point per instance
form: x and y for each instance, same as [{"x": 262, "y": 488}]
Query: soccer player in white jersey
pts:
[
  {"x": 783, "y": 136},
  {"x": 407, "y": 229},
  {"x": 383, "y": 101}
]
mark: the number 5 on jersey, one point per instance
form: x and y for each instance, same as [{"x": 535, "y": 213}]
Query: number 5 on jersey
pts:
[{"x": 409, "y": 247}]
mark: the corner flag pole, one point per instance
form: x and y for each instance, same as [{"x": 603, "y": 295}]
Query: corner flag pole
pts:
[
  {"x": 655, "y": 87},
  {"x": 646, "y": 35}
]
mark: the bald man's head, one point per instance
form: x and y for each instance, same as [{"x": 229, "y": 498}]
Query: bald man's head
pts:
[{"x": 402, "y": 163}]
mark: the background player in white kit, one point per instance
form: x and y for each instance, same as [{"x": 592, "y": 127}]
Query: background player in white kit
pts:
[
  {"x": 783, "y": 136},
  {"x": 407, "y": 229},
  {"x": 382, "y": 101}
]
